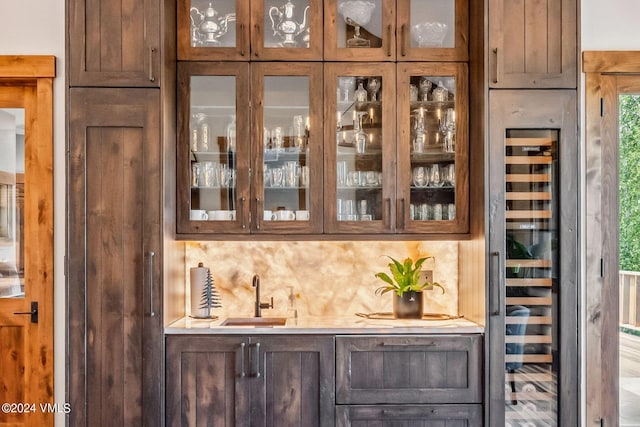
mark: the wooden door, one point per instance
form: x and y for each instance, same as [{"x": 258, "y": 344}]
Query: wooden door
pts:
[
  {"x": 207, "y": 381},
  {"x": 433, "y": 30},
  {"x": 433, "y": 176},
  {"x": 287, "y": 130},
  {"x": 360, "y": 172},
  {"x": 26, "y": 340},
  {"x": 114, "y": 43},
  {"x": 286, "y": 31},
  {"x": 292, "y": 381},
  {"x": 533, "y": 258},
  {"x": 114, "y": 251},
  {"x": 213, "y": 138},
  {"x": 532, "y": 44}
]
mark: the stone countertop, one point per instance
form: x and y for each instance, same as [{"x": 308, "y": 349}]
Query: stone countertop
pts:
[{"x": 349, "y": 325}]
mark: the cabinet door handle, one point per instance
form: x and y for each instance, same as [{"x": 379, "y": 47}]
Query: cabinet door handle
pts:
[
  {"x": 405, "y": 344},
  {"x": 151, "y": 312},
  {"x": 241, "y": 40},
  {"x": 242, "y": 373},
  {"x": 151, "y": 76},
  {"x": 402, "y": 213},
  {"x": 496, "y": 294},
  {"x": 241, "y": 212},
  {"x": 256, "y": 27},
  {"x": 403, "y": 39},
  {"x": 389, "y": 40},
  {"x": 255, "y": 361},
  {"x": 258, "y": 218},
  {"x": 495, "y": 65},
  {"x": 388, "y": 202}
]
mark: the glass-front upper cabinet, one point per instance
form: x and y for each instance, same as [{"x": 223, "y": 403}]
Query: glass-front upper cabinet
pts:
[
  {"x": 432, "y": 30},
  {"x": 286, "y": 30},
  {"x": 360, "y": 148},
  {"x": 403, "y": 30},
  {"x": 213, "y": 30},
  {"x": 359, "y": 30},
  {"x": 213, "y": 148},
  {"x": 432, "y": 173},
  {"x": 287, "y": 153},
  {"x": 242, "y": 30}
]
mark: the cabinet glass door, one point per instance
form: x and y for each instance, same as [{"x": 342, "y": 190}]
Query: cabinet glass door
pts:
[
  {"x": 360, "y": 147},
  {"x": 286, "y": 30},
  {"x": 531, "y": 224},
  {"x": 359, "y": 30},
  {"x": 432, "y": 150},
  {"x": 213, "y": 29},
  {"x": 213, "y": 148},
  {"x": 432, "y": 30},
  {"x": 287, "y": 184}
]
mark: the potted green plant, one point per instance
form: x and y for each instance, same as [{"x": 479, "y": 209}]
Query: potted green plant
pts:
[{"x": 404, "y": 282}]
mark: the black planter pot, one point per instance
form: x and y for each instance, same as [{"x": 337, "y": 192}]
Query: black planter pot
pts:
[{"x": 409, "y": 306}]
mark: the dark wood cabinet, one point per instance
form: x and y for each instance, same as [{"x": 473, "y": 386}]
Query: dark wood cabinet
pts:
[
  {"x": 114, "y": 43},
  {"x": 409, "y": 415},
  {"x": 533, "y": 44},
  {"x": 250, "y": 381},
  {"x": 114, "y": 253},
  {"x": 408, "y": 369}
]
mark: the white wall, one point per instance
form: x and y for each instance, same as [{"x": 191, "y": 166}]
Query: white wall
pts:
[
  {"x": 36, "y": 27},
  {"x": 610, "y": 25}
]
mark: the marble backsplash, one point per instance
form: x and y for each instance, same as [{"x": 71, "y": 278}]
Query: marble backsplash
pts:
[{"x": 328, "y": 278}]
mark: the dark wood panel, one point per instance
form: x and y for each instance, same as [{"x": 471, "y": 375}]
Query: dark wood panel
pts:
[
  {"x": 114, "y": 224},
  {"x": 296, "y": 386},
  {"x": 533, "y": 44},
  {"x": 394, "y": 369},
  {"x": 205, "y": 382},
  {"x": 114, "y": 43},
  {"x": 456, "y": 415}
]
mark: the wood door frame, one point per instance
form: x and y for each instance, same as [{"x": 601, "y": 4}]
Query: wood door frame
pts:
[
  {"x": 34, "y": 76},
  {"x": 605, "y": 72}
]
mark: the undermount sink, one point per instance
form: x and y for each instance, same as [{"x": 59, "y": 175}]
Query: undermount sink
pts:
[{"x": 254, "y": 321}]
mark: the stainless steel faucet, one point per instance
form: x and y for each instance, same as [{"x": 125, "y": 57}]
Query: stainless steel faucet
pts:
[{"x": 259, "y": 305}]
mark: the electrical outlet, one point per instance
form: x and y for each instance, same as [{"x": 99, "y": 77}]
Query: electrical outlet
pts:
[{"x": 426, "y": 276}]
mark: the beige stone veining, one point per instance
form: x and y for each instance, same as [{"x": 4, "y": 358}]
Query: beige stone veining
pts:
[{"x": 329, "y": 278}]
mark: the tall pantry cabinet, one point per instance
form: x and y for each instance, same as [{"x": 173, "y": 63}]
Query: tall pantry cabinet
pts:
[
  {"x": 532, "y": 208},
  {"x": 119, "y": 96}
]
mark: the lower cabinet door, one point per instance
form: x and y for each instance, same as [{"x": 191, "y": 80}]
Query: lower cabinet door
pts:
[
  {"x": 256, "y": 381},
  {"x": 206, "y": 381},
  {"x": 409, "y": 415},
  {"x": 292, "y": 381}
]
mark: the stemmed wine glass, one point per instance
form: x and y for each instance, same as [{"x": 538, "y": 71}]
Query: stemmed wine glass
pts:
[
  {"x": 373, "y": 86},
  {"x": 448, "y": 130},
  {"x": 346, "y": 85}
]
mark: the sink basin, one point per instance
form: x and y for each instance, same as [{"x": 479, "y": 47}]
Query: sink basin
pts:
[{"x": 255, "y": 321}]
